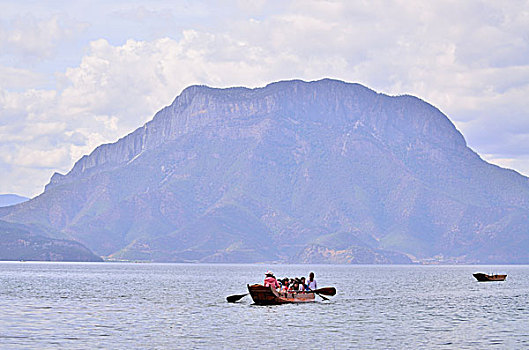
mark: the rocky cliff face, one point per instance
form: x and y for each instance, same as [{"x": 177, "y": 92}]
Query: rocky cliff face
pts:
[{"x": 267, "y": 174}]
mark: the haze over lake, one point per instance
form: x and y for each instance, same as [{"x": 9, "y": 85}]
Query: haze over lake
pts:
[{"x": 114, "y": 305}]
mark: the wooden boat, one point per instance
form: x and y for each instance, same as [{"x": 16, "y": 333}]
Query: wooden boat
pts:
[
  {"x": 262, "y": 295},
  {"x": 482, "y": 277}
]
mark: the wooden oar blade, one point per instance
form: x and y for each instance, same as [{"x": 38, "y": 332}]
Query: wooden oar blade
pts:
[
  {"x": 326, "y": 291},
  {"x": 236, "y": 297},
  {"x": 321, "y": 296}
]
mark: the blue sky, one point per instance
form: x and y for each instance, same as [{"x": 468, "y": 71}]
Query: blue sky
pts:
[{"x": 77, "y": 74}]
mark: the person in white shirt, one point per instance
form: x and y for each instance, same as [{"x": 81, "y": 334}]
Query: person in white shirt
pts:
[{"x": 312, "y": 282}]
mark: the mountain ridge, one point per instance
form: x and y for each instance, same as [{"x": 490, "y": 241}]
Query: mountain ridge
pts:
[
  {"x": 11, "y": 199},
  {"x": 283, "y": 166},
  {"x": 137, "y": 138}
]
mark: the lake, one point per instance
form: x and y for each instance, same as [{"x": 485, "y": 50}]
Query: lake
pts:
[{"x": 177, "y": 306}]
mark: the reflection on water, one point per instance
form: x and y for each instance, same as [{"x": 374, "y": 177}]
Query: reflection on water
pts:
[{"x": 111, "y": 305}]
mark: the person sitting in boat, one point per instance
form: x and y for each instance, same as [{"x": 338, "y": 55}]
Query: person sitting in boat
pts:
[
  {"x": 302, "y": 285},
  {"x": 290, "y": 287},
  {"x": 270, "y": 280},
  {"x": 312, "y": 282},
  {"x": 294, "y": 286},
  {"x": 284, "y": 284}
]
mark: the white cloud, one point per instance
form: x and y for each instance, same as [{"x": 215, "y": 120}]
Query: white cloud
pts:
[
  {"x": 29, "y": 157},
  {"x": 144, "y": 13},
  {"x": 16, "y": 78},
  {"x": 30, "y": 36}
]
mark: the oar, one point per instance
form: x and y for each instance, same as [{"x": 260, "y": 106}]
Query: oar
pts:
[
  {"x": 325, "y": 290},
  {"x": 236, "y": 297},
  {"x": 321, "y": 296}
]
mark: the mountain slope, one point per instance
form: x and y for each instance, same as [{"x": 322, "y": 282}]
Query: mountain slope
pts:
[
  {"x": 11, "y": 199},
  {"x": 21, "y": 242},
  {"x": 263, "y": 174}
]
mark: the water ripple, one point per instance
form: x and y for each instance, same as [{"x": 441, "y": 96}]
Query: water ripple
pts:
[{"x": 79, "y": 306}]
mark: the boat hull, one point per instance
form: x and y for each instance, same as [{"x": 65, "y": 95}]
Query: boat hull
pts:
[
  {"x": 482, "y": 277},
  {"x": 262, "y": 295}
]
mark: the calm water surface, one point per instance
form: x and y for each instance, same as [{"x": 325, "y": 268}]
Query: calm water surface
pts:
[{"x": 176, "y": 306}]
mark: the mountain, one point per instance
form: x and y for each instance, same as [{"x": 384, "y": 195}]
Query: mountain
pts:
[
  {"x": 321, "y": 171},
  {"x": 11, "y": 199},
  {"x": 21, "y": 242}
]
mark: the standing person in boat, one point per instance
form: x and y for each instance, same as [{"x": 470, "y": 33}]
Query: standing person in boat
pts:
[
  {"x": 312, "y": 282},
  {"x": 270, "y": 280}
]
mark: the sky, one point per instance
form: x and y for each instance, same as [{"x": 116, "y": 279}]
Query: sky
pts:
[{"x": 77, "y": 74}]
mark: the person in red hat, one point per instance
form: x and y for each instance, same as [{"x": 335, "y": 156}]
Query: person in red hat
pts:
[{"x": 270, "y": 280}]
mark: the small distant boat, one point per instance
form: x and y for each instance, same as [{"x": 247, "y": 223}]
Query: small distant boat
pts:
[{"x": 483, "y": 277}]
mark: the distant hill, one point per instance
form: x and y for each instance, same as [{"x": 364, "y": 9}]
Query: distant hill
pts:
[
  {"x": 21, "y": 242},
  {"x": 323, "y": 171},
  {"x": 11, "y": 199}
]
